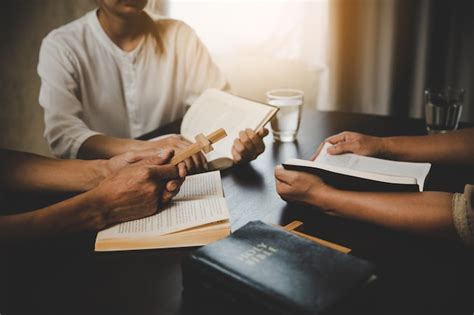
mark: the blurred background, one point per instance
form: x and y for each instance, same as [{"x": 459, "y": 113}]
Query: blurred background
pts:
[{"x": 370, "y": 56}]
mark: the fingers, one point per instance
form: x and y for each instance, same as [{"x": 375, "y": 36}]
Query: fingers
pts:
[
  {"x": 163, "y": 157},
  {"x": 200, "y": 162},
  {"x": 177, "y": 142},
  {"x": 167, "y": 196},
  {"x": 171, "y": 189},
  {"x": 190, "y": 166},
  {"x": 340, "y": 137},
  {"x": 285, "y": 176},
  {"x": 299, "y": 186},
  {"x": 161, "y": 172},
  {"x": 279, "y": 171},
  {"x": 344, "y": 142},
  {"x": 135, "y": 156},
  {"x": 256, "y": 140},
  {"x": 283, "y": 189},
  {"x": 263, "y": 132},
  {"x": 246, "y": 141},
  {"x": 197, "y": 162},
  {"x": 238, "y": 151},
  {"x": 236, "y": 156},
  {"x": 154, "y": 154},
  {"x": 343, "y": 147},
  {"x": 203, "y": 161},
  {"x": 249, "y": 145},
  {"x": 182, "y": 170},
  {"x": 283, "y": 183},
  {"x": 173, "y": 185}
]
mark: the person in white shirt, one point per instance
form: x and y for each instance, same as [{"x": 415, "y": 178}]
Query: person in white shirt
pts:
[{"x": 115, "y": 74}]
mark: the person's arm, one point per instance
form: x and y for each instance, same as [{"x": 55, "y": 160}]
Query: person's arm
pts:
[
  {"x": 60, "y": 97},
  {"x": 80, "y": 213},
  {"x": 135, "y": 191},
  {"x": 456, "y": 147},
  {"x": 423, "y": 213},
  {"x": 104, "y": 147},
  {"x": 30, "y": 172},
  {"x": 21, "y": 171}
]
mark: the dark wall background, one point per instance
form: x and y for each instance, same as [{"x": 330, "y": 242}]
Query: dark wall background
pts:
[
  {"x": 23, "y": 24},
  {"x": 386, "y": 52}
]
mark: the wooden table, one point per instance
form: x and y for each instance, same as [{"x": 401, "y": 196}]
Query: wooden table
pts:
[{"x": 417, "y": 275}]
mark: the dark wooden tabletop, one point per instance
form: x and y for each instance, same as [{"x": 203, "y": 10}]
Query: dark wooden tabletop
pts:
[{"x": 416, "y": 275}]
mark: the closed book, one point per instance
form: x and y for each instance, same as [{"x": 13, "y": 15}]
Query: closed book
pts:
[{"x": 266, "y": 270}]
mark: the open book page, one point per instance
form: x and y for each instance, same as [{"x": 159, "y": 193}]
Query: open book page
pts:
[
  {"x": 199, "y": 186},
  {"x": 177, "y": 216},
  {"x": 216, "y": 109},
  {"x": 368, "y": 167}
]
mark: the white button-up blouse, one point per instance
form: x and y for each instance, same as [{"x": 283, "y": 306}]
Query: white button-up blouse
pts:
[{"x": 90, "y": 86}]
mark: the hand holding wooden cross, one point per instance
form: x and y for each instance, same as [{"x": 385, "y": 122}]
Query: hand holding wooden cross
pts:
[{"x": 202, "y": 143}]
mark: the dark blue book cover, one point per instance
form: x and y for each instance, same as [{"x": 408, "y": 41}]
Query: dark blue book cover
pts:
[{"x": 268, "y": 270}]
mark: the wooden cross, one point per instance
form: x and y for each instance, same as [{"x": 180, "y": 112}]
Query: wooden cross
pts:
[
  {"x": 296, "y": 224},
  {"x": 203, "y": 143}
]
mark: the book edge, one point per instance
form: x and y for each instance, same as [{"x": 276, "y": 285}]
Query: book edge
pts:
[
  {"x": 171, "y": 240},
  {"x": 385, "y": 178}
]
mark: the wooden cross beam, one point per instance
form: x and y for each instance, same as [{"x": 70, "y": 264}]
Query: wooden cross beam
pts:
[
  {"x": 202, "y": 143},
  {"x": 296, "y": 224}
]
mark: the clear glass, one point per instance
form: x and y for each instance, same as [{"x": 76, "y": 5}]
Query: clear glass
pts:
[
  {"x": 287, "y": 121},
  {"x": 443, "y": 109}
]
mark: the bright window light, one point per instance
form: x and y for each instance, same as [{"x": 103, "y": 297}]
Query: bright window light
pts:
[{"x": 262, "y": 39}]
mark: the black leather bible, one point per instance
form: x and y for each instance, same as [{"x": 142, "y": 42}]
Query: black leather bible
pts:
[{"x": 266, "y": 270}]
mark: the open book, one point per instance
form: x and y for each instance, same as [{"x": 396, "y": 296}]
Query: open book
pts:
[
  {"x": 215, "y": 109},
  {"x": 198, "y": 215},
  {"x": 355, "y": 172}
]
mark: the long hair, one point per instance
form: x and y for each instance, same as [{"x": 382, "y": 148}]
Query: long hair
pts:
[{"x": 154, "y": 29}]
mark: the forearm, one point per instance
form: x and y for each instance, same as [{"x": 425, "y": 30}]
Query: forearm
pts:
[
  {"x": 76, "y": 214},
  {"x": 105, "y": 147},
  {"x": 423, "y": 213},
  {"x": 454, "y": 147},
  {"x": 29, "y": 172}
]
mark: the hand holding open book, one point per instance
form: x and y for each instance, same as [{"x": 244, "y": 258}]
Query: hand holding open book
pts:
[
  {"x": 355, "y": 172},
  {"x": 241, "y": 118}
]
